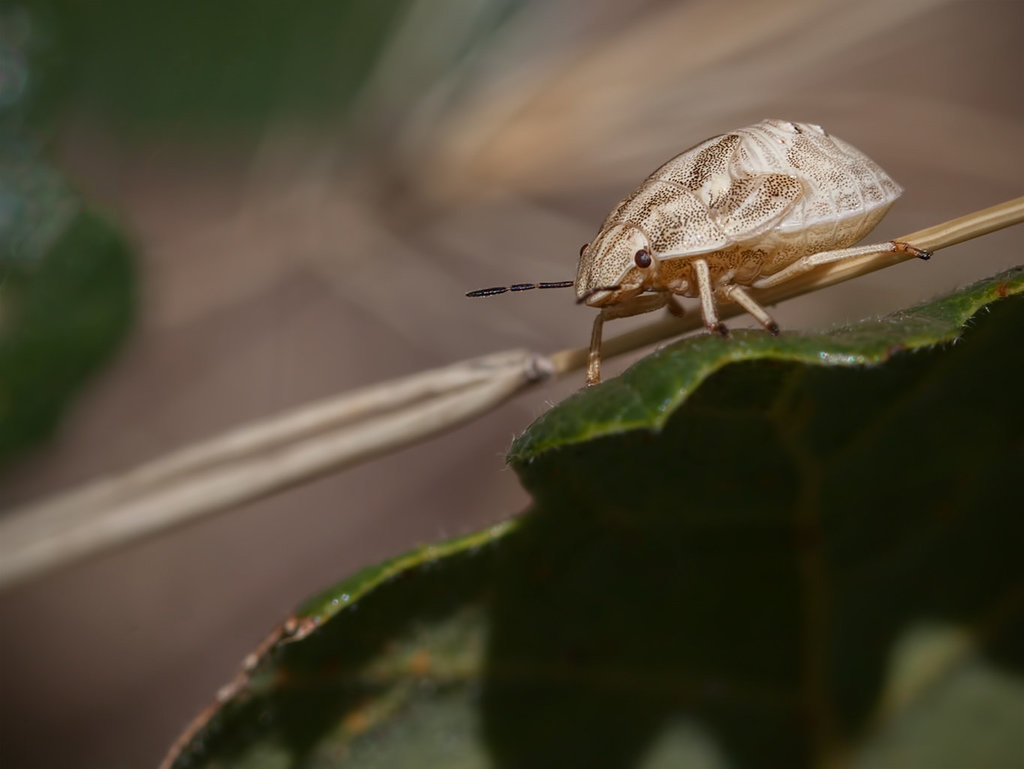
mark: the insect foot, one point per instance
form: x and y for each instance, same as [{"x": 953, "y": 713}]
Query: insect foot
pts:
[{"x": 905, "y": 248}]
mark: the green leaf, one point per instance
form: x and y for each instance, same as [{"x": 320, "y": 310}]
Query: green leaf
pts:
[
  {"x": 788, "y": 552},
  {"x": 647, "y": 394}
]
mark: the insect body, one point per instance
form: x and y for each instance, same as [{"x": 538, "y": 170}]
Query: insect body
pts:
[{"x": 751, "y": 208}]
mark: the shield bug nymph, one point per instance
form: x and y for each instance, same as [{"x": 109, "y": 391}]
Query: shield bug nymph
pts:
[{"x": 751, "y": 208}]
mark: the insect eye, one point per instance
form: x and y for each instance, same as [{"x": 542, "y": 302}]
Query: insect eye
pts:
[
  {"x": 583, "y": 248},
  {"x": 642, "y": 258}
]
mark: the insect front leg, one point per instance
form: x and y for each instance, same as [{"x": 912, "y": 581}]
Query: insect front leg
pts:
[
  {"x": 636, "y": 306},
  {"x": 807, "y": 263},
  {"x": 674, "y": 307}
]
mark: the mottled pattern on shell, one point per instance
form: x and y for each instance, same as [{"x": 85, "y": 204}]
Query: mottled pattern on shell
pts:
[{"x": 749, "y": 202}]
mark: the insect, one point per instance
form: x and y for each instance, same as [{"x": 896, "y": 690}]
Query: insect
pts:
[{"x": 748, "y": 209}]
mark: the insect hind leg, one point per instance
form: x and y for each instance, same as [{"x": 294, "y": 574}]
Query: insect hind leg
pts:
[{"x": 811, "y": 261}]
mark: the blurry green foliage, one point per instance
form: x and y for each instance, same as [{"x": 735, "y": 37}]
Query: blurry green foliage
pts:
[
  {"x": 66, "y": 275},
  {"x": 795, "y": 551},
  {"x": 203, "y": 69},
  {"x": 231, "y": 63},
  {"x": 61, "y": 318}
]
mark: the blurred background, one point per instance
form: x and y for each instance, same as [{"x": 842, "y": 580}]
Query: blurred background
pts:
[{"x": 290, "y": 200}]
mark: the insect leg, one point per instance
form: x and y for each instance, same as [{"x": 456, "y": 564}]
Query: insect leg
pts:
[
  {"x": 594, "y": 356},
  {"x": 811, "y": 261},
  {"x": 675, "y": 308},
  {"x": 707, "y": 298},
  {"x": 732, "y": 292},
  {"x": 635, "y": 306}
]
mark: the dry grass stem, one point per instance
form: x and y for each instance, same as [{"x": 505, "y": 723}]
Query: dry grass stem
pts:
[{"x": 256, "y": 460}]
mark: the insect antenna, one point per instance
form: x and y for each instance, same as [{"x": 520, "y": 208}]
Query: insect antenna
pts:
[{"x": 519, "y": 287}]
